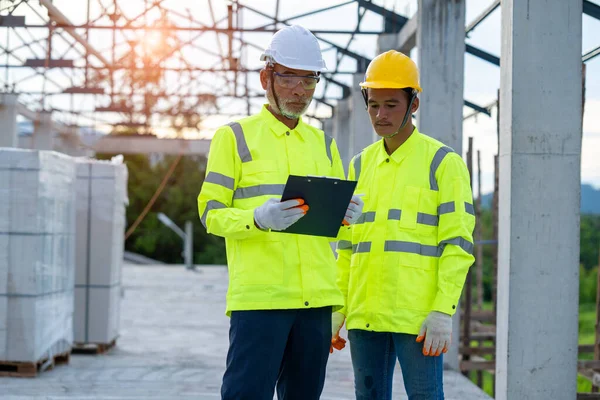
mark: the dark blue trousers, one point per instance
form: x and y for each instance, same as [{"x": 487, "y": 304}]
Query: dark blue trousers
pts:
[{"x": 284, "y": 348}]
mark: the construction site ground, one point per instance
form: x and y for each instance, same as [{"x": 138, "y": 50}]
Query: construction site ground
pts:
[{"x": 172, "y": 345}]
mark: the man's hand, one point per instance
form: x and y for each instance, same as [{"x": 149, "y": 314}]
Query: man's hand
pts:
[
  {"x": 337, "y": 343},
  {"x": 354, "y": 210},
  {"x": 437, "y": 332},
  {"x": 277, "y": 215},
  {"x": 337, "y": 321}
]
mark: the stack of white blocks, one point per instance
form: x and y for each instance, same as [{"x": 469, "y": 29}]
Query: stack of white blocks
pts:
[
  {"x": 37, "y": 254},
  {"x": 101, "y": 201}
]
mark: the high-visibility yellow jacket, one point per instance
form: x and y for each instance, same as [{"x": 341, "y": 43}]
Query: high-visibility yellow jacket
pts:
[
  {"x": 411, "y": 249},
  {"x": 249, "y": 162}
]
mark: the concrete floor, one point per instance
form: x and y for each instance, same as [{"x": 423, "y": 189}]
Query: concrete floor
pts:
[{"x": 173, "y": 345}]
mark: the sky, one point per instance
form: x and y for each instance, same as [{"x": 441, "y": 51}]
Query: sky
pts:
[{"x": 481, "y": 78}]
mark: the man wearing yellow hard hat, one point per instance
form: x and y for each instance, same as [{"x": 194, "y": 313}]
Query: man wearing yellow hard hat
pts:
[{"x": 403, "y": 264}]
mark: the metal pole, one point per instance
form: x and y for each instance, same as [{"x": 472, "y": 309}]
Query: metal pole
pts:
[{"x": 188, "y": 247}]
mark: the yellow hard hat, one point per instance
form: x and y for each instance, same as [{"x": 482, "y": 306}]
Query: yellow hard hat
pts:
[{"x": 392, "y": 70}]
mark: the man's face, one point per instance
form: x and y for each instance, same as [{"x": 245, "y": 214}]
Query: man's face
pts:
[
  {"x": 294, "y": 93},
  {"x": 387, "y": 108}
]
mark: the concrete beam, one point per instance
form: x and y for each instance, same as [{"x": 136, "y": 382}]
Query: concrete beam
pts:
[
  {"x": 540, "y": 160},
  {"x": 8, "y": 120},
  {"x": 34, "y": 116},
  {"x": 115, "y": 144}
]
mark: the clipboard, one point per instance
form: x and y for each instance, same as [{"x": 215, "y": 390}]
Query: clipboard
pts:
[{"x": 328, "y": 200}]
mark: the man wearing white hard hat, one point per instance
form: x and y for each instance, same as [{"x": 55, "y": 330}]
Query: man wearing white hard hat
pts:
[{"x": 282, "y": 287}]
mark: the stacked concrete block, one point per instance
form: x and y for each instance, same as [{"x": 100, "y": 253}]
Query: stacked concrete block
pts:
[
  {"x": 37, "y": 254},
  {"x": 101, "y": 202}
]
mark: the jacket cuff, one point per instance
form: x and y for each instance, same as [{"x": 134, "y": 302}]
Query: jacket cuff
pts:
[
  {"x": 249, "y": 224},
  {"x": 445, "y": 304}
]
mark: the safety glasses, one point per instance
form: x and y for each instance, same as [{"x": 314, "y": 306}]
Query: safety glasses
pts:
[{"x": 291, "y": 81}]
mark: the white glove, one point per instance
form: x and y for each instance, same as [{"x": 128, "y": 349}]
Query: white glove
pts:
[
  {"x": 354, "y": 210},
  {"x": 437, "y": 332},
  {"x": 277, "y": 215},
  {"x": 337, "y": 321}
]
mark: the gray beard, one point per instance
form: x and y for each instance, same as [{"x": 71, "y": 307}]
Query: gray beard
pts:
[{"x": 283, "y": 110}]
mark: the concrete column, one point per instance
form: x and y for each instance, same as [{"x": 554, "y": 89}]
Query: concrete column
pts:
[
  {"x": 8, "y": 120},
  {"x": 540, "y": 156},
  {"x": 68, "y": 142},
  {"x": 328, "y": 124},
  {"x": 360, "y": 125},
  {"x": 341, "y": 131},
  {"x": 403, "y": 41},
  {"x": 386, "y": 42},
  {"x": 42, "y": 132},
  {"x": 441, "y": 43}
]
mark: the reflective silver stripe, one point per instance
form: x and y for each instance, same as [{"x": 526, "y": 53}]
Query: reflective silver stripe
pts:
[
  {"x": 458, "y": 241},
  {"x": 242, "y": 146},
  {"x": 211, "y": 205},
  {"x": 394, "y": 214},
  {"x": 328, "y": 141},
  {"x": 410, "y": 247},
  {"x": 220, "y": 179},
  {"x": 366, "y": 217},
  {"x": 258, "y": 190},
  {"x": 446, "y": 208},
  {"x": 344, "y": 245},
  {"x": 362, "y": 247},
  {"x": 435, "y": 164},
  {"x": 427, "y": 219},
  {"x": 469, "y": 208},
  {"x": 422, "y": 218},
  {"x": 357, "y": 166}
]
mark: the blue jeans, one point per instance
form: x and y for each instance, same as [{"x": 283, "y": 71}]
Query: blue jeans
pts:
[
  {"x": 374, "y": 358},
  {"x": 284, "y": 348}
]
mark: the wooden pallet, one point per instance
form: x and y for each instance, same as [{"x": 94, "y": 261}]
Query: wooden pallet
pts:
[
  {"x": 93, "y": 348},
  {"x": 20, "y": 369}
]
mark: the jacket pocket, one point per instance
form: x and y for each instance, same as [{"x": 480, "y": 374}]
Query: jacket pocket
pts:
[
  {"x": 410, "y": 207},
  {"x": 259, "y": 263},
  {"x": 259, "y": 171},
  {"x": 427, "y": 216},
  {"x": 415, "y": 288}
]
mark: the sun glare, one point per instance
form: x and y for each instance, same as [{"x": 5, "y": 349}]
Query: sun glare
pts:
[{"x": 152, "y": 40}]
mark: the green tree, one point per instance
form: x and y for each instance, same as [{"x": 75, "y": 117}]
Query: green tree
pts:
[
  {"x": 590, "y": 240},
  {"x": 178, "y": 201}
]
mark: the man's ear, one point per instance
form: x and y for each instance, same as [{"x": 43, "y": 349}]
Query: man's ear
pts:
[
  {"x": 415, "y": 106},
  {"x": 264, "y": 78}
]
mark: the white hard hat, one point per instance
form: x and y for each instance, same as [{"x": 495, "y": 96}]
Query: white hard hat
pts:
[{"x": 295, "y": 47}]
